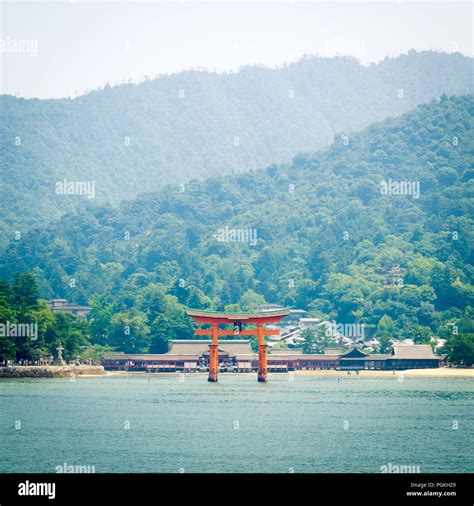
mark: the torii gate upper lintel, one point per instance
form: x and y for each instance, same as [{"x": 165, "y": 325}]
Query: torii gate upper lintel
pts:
[{"x": 214, "y": 319}]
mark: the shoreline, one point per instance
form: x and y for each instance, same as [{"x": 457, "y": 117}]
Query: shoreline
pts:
[
  {"x": 442, "y": 372},
  {"x": 17, "y": 372},
  {"x": 51, "y": 371}
]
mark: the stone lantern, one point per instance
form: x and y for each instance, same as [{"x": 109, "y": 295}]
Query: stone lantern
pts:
[{"x": 59, "y": 360}]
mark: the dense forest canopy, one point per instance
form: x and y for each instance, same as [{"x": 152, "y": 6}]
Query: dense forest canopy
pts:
[
  {"x": 377, "y": 230},
  {"x": 30, "y": 331},
  {"x": 132, "y": 138}
]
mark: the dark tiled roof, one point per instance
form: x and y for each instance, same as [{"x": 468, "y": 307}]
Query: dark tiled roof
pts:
[{"x": 353, "y": 353}]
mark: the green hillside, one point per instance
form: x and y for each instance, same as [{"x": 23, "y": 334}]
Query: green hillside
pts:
[
  {"x": 132, "y": 138},
  {"x": 319, "y": 233}
]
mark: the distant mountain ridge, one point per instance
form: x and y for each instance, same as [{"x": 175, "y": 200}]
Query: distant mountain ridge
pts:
[
  {"x": 135, "y": 138},
  {"x": 302, "y": 212}
]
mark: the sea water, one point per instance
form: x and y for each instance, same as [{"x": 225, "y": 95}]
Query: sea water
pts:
[{"x": 182, "y": 423}]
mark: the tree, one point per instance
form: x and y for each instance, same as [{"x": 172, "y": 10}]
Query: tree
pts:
[
  {"x": 7, "y": 349},
  {"x": 250, "y": 300},
  {"x": 130, "y": 332},
  {"x": 19, "y": 305},
  {"x": 347, "y": 294},
  {"x": 308, "y": 345},
  {"x": 166, "y": 318},
  {"x": 386, "y": 331},
  {"x": 460, "y": 349},
  {"x": 232, "y": 308},
  {"x": 316, "y": 341},
  {"x": 25, "y": 292},
  {"x": 196, "y": 298},
  {"x": 101, "y": 319}
]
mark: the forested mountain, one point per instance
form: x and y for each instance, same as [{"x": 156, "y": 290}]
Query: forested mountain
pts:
[
  {"x": 129, "y": 139},
  {"x": 377, "y": 229}
]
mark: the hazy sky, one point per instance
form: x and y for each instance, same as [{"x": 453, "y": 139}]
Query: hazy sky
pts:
[{"x": 57, "y": 49}]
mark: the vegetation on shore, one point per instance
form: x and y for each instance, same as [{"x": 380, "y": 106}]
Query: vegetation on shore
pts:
[{"x": 19, "y": 304}]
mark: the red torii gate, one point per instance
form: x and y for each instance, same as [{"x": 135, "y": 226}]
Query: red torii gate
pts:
[{"x": 237, "y": 320}]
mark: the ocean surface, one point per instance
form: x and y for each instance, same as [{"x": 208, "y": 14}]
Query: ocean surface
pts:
[{"x": 300, "y": 423}]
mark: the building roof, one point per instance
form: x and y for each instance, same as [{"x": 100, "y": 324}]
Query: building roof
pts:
[
  {"x": 74, "y": 307},
  {"x": 375, "y": 356},
  {"x": 149, "y": 356},
  {"x": 200, "y": 346},
  {"x": 274, "y": 358},
  {"x": 246, "y": 356},
  {"x": 285, "y": 351},
  {"x": 354, "y": 353},
  {"x": 115, "y": 354},
  {"x": 302, "y": 356},
  {"x": 378, "y": 356},
  {"x": 269, "y": 307},
  {"x": 64, "y": 304},
  {"x": 414, "y": 352},
  {"x": 333, "y": 351}
]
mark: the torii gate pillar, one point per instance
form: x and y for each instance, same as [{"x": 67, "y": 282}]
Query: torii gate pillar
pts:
[
  {"x": 214, "y": 355},
  {"x": 262, "y": 355}
]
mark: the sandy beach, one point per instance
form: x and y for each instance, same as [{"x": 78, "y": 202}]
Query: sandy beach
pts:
[{"x": 442, "y": 372}]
